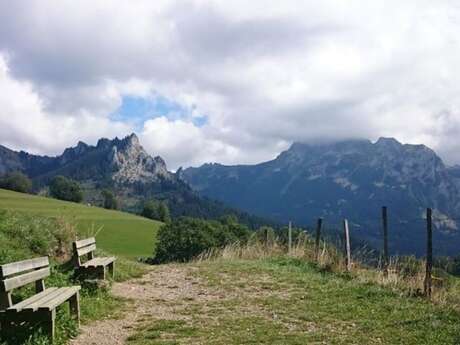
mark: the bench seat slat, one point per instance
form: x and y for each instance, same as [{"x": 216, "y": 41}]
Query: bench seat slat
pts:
[
  {"x": 61, "y": 298},
  {"x": 85, "y": 242},
  {"x": 85, "y": 250},
  {"x": 36, "y": 304},
  {"x": 59, "y": 295},
  {"x": 22, "y": 266},
  {"x": 104, "y": 261},
  {"x": 24, "y": 279},
  {"x": 19, "y": 306}
]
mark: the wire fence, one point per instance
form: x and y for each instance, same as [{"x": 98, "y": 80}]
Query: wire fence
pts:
[{"x": 389, "y": 235}]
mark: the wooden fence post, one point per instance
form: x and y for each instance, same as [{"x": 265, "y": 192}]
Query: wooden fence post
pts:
[
  {"x": 318, "y": 237},
  {"x": 347, "y": 245},
  {"x": 429, "y": 252},
  {"x": 266, "y": 237},
  {"x": 290, "y": 237},
  {"x": 385, "y": 240}
]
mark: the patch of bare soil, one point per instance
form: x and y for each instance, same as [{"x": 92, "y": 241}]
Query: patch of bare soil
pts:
[{"x": 155, "y": 295}]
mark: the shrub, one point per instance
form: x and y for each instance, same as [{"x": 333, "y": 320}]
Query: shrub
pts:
[
  {"x": 110, "y": 201},
  {"x": 24, "y": 236},
  {"x": 163, "y": 212},
  {"x": 16, "y": 181},
  {"x": 156, "y": 210},
  {"x": 185, "y": 238},
  {"x": 66, "y": 189},
  {"x": 150, "y": 210}
]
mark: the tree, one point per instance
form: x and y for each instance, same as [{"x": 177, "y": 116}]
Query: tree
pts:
[
  {"x": 150, "y": 210},
  {"x": 66, "y": 189},
  {"x": 16, "y": 181},
  {"x": 163, "y": 212},
  {"x": 110, "y": 201},
  {"x": 184, "y": 238}
]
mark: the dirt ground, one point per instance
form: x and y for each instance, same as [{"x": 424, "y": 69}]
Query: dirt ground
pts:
[
  {"x": 152, "y": 295},
  {"x": 156, "y": 295}
]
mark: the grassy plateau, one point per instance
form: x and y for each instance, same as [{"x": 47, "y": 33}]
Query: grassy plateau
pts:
[
  {"x": 288, "y": 301},
  {"x": 116, "y": 232}
]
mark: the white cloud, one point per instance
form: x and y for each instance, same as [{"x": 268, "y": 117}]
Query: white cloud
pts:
[
  {"x": 265, "y": 73},
  {"x": 25, "y": 125}
]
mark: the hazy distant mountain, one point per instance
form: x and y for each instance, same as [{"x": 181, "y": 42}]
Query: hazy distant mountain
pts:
[
  {"x": 351, "y": 179},
  {"x": 123, "y": 166}
]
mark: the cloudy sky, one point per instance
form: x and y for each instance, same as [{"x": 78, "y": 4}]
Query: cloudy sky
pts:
[{"x": 229, "y": 81}]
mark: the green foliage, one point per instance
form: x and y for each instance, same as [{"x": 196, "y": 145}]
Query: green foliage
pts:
[
  {"x": 150, "y": 210},
  {"x": 163, "y": 213},
  {"x": 16, "y": 181},
  {"x": 63, "y": 188},
  {"x": 185, "y": 238},
  {"x": 110, "y": 201},
  {"x": 157, "y": 210},
  {"x": 120, "y": 233},
  {"x": 23, "y": 236}
]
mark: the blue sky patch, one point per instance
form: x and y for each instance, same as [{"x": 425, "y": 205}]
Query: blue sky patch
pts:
[{"x": 137, "y": 110}]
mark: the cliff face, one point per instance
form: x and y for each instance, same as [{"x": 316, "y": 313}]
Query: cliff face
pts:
[
  {"x": 123, "y": 166},
  {"x": 351, "y": 179},
  {"x": 122, "y": 161}
]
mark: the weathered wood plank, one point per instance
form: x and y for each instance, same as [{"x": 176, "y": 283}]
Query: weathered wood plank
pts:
[
  {"x": 85, "y": 242},
  {"x": 86, "y": 250},
  {"x": 33, "y": 299},
  {"x": 45, "y": 300},
  {"x": 22, "y": 266},
  {"x": 18, "y": 281},
  {"x": 103, "y": 261},
  {"x": 65, "y": 294}
]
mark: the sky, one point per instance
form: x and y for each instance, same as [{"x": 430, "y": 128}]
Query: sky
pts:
[{"x": 234, "y": 82}]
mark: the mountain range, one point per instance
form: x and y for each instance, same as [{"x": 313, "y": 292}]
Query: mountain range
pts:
[
  {"x": 123, "y": 166},
  {"x": 351, "y": 179}
]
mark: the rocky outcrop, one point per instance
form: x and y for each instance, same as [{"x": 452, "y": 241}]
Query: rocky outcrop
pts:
[
  {"x": 124, "y": 161},
  {"x": 351, "y": 179}
]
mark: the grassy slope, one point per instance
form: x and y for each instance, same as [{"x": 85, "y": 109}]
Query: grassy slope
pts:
[
  {"x": 287, "y": 301},
  {"x": 121, "y": 233}
]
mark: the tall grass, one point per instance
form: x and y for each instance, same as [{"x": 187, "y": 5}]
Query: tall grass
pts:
[
  {"x": 24, "y": 236},
  {"x": 405, "y": 275}
]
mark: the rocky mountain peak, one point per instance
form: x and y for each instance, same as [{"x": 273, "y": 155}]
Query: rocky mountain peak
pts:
[{"x": 132, "y": 163}]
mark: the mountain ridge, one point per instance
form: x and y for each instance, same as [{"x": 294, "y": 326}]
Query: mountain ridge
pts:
[
  {"x": 349, "y": 179},
  {"x": 123, "y": 166}
]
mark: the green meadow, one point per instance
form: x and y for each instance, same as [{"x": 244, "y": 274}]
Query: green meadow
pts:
[{"x": 119, "y": 233}]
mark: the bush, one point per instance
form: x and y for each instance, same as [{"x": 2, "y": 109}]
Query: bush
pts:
[
  {"x": 24, "y": 236},
  {"x": 17, "y": 182},
  {"x": 66, "y": 189},
  {"x": 110, "y": 202},
  {"x": 185, "y": 238},
  {"x": 156, "y": 210}
]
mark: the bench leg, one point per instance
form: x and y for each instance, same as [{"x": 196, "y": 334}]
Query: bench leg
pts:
[
  {"x": 48, "y": 325},
  {"x": 112, "y": 269},
  {"x": 74, "y": 303},
  {"x": 5, "y": 328}
]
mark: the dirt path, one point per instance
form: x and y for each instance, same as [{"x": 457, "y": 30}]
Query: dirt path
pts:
[{"x": 155, "y": 295}]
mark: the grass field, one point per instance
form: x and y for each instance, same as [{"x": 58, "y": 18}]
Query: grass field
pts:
[
  {"x": 117, "y": 232},
  {"x": 288, "y": 301}
]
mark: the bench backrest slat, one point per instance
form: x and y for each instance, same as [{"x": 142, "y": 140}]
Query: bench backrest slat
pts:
[
  {"x": 86, "y": 250},
  {"x": 85, "y": 242},
  {"x": 9, "y": 284},
  {"x": 23, "y": 266}
]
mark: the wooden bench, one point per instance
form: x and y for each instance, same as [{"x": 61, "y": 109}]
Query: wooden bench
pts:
[
  {"x": 41, "y": 307},
  {"x": 93, "y": 266}
]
